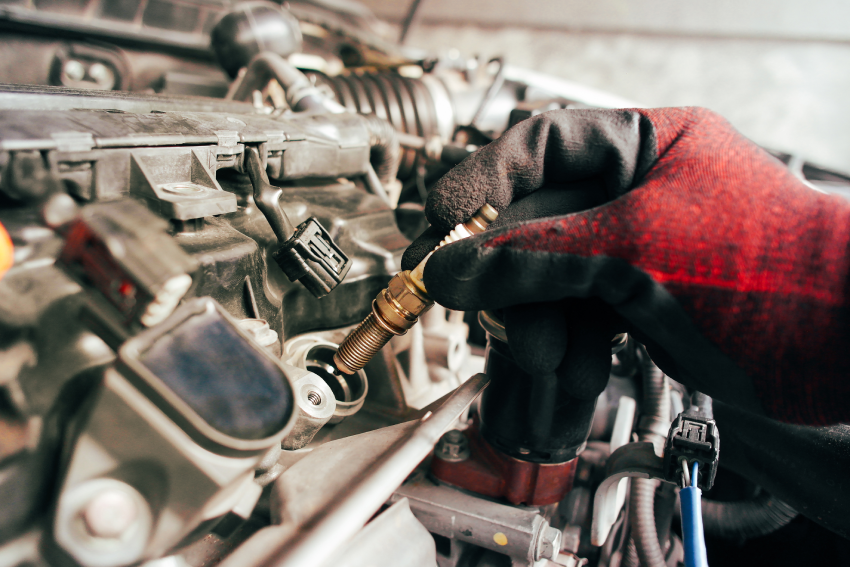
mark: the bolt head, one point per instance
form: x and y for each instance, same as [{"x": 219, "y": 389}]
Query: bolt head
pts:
[
  {"x": 59, "y": 209},
  {"x": 453, "y": 446},
  {"x": 110, "y": 514},
  {"x": 74, "y": 70},
  {"x": 102, "y": 75},
  {"x": 454, "y": 436}
]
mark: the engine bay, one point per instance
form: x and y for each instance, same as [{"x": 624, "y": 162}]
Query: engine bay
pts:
[{"x": 198, "y": 232}]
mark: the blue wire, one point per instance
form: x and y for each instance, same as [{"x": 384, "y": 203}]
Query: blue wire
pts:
[{"x": 692, "y": 532}]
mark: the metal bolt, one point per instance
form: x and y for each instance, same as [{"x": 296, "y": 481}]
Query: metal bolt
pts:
[
  {"x": 59, "y": 209},
  {"x": 548, "y": 544},
  {"x": 102, "y": 75},
  {"x": 110, "y": 514},
  {"x": 74, "y": 70},
  {"x": 453, "y": 447}
]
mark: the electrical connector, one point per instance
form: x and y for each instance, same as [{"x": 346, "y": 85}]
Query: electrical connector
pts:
[{"x": 693, "y": 438}]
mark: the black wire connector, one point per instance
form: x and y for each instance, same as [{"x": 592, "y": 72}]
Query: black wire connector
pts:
[{"x": 692, "y": 438}]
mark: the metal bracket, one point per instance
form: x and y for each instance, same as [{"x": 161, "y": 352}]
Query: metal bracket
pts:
[
  {"x": 176, "y": 183},
  {"x": 73, "y": 141}
]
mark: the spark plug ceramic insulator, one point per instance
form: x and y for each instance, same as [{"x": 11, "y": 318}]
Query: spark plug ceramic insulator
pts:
[{"x": 398, "y": 307}]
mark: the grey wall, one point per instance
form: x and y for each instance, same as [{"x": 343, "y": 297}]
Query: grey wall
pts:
[
  {"x": 800, "y": 19},
  {"x": 778, "y": 70}
]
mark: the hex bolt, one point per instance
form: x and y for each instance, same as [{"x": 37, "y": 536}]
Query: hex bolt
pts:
[
  {"x": 548, "y": 543},
  {"x": 110, "y": 514},
  {"x": 453, "y": 447}
]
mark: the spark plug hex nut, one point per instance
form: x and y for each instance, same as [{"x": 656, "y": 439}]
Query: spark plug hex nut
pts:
[{"x": 401, "y": 303}]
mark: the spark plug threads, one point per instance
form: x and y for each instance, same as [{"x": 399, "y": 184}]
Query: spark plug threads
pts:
[{"x": 398, "y": 307}]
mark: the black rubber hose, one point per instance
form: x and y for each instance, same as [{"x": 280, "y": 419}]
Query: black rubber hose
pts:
[
  {"x": 630, "y": 556},
  {"x": 703, "y": 404},
  {"x": 745, "y": 519},
  {"x": 265, "y": 66},
  {"x": 656, "y": 408},
  {"x": 385, "y": 154}
]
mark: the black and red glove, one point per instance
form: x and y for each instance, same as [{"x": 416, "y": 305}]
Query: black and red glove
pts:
[{"x": 731, "y": 270}]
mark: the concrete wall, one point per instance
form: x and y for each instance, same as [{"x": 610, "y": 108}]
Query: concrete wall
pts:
[
  {"x": 786, "y": 19},
  {"x": 779, "y": 71}
]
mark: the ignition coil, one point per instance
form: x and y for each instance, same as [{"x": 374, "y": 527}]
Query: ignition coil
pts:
[{"x": 398, "y": 307}]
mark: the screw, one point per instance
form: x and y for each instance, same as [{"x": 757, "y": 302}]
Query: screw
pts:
[
  {"x": 453, "y": 447},
  {"x": 110, "y": 514}
]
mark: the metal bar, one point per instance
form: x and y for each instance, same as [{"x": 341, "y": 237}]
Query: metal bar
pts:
[
  {"x": 408, "y": 20},
  {"x": 410, "y": 141},
  {"x": 519, "y": 532},
  {"x": 373, "y": 183},
  {"x": 492, "y": 90},
  {"x": 318, "y": 538}
]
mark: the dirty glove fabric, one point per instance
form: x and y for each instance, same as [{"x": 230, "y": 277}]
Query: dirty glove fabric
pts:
[{"x": 730, "y": 269}]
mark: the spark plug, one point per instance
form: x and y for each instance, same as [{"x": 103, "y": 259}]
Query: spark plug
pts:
[{"x": 398, "y": 307}]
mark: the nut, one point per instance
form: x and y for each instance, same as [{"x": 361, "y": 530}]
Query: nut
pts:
[
  {"x": 400, "y": 304},
  {"x": 406, "y": 296}
]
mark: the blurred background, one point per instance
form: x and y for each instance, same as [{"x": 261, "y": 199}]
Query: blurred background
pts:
[{"x": 779, "y": 70}]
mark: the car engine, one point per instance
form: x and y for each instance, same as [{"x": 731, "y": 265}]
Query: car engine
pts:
[{"x": 205, "y": 205}]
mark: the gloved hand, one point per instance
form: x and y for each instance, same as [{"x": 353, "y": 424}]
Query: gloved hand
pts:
[{"x": 731, "y": 270}]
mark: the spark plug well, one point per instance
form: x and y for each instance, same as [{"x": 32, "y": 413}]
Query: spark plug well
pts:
[{"x": 398, "y": 307}]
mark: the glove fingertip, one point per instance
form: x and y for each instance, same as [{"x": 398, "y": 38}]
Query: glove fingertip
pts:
[
  {"x": 477, "y": 181},
  {"x": 421, "y": 247},
  {"x": 455, "y": 275}
]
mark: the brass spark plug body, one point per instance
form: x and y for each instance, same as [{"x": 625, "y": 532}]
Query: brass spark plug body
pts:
[{"x": 398, "y": 307}]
